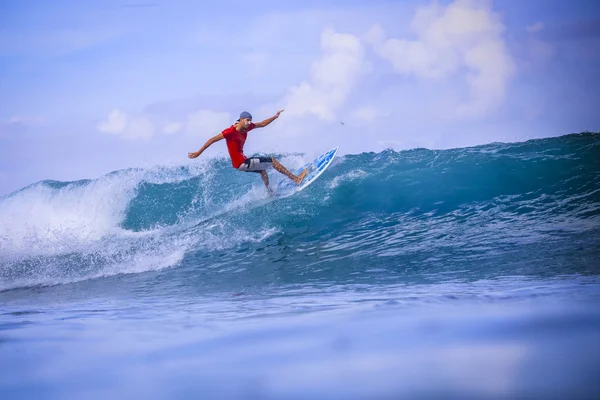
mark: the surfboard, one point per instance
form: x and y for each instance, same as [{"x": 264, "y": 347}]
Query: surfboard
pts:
[{"x": 316, "y": 167}]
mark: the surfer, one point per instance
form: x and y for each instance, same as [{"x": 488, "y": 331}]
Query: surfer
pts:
[{"x": 235, "y": 136}]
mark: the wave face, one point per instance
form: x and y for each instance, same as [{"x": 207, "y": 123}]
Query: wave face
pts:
[{"x": 416, "y": 216}]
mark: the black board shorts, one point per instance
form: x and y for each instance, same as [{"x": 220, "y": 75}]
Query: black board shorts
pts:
[{"x": 256, "y": 164}]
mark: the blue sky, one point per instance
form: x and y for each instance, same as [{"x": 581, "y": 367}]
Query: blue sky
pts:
[{"x": 90, "y": 87}]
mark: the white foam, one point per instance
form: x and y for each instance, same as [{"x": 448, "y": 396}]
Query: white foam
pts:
[
  {"x": 349, "y": 176},
  {"x": 294, "y": 161},
  {"x": 54, "y": 235},
  {"x": 46, "y": 220}
]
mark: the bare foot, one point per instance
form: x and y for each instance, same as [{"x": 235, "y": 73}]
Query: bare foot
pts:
[{"x": 300, "y": 177}]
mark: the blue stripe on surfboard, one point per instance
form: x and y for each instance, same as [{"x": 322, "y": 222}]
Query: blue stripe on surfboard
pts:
[{"x": 286, "y": 187}]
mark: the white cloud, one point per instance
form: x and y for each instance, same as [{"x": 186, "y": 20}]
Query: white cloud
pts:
[
  {"x": 332, "y": 77},
  {"x": 139, "y": 128},
  {"x": 536, "y": 52},
  {"x": 462, "y": 39},
  {"x": 25, "y": 120},
  {"x": 119, "y": 123},
  {"x": 199, "y": 123},
  {"x": 368, "y": 114},
  {"x": 60, "y": 41},
  {"x": 172, "y": 127},
  {"x": 203, "y": 122},
  {"x": 116, "y": 123},
  {"x": 537, "y": 27}
]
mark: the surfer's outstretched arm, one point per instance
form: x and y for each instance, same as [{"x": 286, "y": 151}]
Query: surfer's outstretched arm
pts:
[
  {"x": 267, "y": 121},
  {"x": 206, "y": 145}
]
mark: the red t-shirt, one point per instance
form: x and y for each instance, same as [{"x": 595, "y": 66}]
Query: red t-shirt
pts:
[{"x": 235, "y": 143}]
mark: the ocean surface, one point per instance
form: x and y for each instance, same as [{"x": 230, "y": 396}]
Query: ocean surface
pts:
[{"x": 463, "y": 273}]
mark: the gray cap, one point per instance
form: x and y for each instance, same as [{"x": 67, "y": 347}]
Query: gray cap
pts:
[{"x": 245, "y": 114}]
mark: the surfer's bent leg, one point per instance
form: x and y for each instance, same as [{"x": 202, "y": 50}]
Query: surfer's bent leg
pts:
[
  {"x": 260, "y": 165},
  {"x": 265, "y": 178},
  {"x": 280, "y": 168}
]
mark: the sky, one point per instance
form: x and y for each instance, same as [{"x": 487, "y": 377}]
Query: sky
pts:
[{"x": 91, "y": 87}]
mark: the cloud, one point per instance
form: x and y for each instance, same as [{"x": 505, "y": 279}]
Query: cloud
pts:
[
  {"x": 139, "y": 128},
  {"x": 538, "y": 26},
  {"x": 198, "y": 123},
  {"x": 61, "y": 41},
  {"x": 463, "y": 39},
  {"x": 120, "y": 124},
  {"x": 116, "y": 123},
  {"x": 332, "y": 77},
  {"x": 368, "y": 114},
  {"x": 172, "y": 127},
  {"x": 572, "y": 30},
  {"x": 203, "y": 122},
  {"x": 140, "y": 5},
  {"x": 26, "y": 120},
  {"x": 18, "y": 124},
  {"x": 538, "y": 51}
]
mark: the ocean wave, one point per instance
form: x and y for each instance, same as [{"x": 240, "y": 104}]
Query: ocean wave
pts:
[{"x": 396, "y": 211}]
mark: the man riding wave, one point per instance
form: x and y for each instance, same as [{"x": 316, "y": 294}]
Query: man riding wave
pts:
[{"x": 235, "y": 137}]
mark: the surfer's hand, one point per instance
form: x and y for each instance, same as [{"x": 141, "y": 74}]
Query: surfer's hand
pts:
[
  {"x": 193, "y": 155},
  {"x": 278, "y": 112}
]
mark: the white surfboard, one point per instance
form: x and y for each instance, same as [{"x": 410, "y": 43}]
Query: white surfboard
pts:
[{"x": 316, "y": 167}]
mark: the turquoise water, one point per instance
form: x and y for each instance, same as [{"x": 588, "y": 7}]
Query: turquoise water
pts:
[{"x": 463, "y": 273}]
